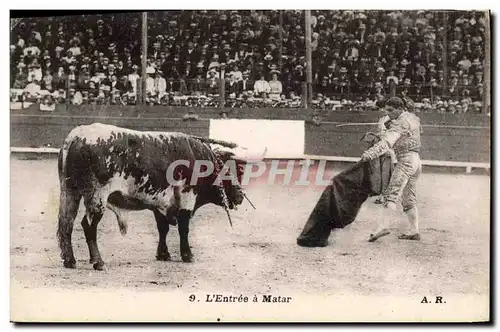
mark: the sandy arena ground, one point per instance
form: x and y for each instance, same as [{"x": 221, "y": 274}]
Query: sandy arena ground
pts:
[{"x": 259, "y": 254}]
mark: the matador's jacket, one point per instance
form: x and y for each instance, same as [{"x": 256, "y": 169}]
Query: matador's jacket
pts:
[{"x": 402, "y": 136}]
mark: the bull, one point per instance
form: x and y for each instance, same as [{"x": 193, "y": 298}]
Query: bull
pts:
[{"x": 121, "y": 170}]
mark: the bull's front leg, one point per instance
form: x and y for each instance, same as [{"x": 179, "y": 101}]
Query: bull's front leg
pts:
[
  {"x": 162, "y": 253},
  {"x": 183, "y": 220}
]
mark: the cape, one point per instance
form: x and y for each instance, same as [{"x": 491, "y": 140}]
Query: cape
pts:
[{"x": 340, "y": 202}]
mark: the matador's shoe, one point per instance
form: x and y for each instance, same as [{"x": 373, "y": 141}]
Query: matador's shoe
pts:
[
  {"x": 415, "y": 237},
  {"x": 378, "y": 235}
]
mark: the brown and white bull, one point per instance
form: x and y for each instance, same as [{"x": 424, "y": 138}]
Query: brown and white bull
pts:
[{"x": 122, "y": 169}]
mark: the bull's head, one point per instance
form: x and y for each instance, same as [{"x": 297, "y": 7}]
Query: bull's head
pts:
[
  {"x": 231, "y": 191},
  {"x": 230, "y": 163}
]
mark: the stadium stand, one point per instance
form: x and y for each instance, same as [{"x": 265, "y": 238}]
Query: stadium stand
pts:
[{"x": 359, "y": 58}]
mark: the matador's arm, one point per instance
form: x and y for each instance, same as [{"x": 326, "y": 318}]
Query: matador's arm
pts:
[{"x": 387, "y": 141}]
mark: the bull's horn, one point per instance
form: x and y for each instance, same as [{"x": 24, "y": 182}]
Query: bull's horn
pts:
[
  {"x": 244, "y": 154},
  {"x": 216, "y": 141}
]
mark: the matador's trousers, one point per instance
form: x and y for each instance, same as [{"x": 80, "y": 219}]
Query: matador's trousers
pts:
[{"x": 403, "y": 184}]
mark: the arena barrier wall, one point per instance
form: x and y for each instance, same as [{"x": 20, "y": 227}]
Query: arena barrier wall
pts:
[
  {"x": 448, "y": 140},
  {"x": 101, "y": 111}
]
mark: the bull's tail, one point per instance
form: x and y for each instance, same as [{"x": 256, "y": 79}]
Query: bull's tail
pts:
[
  {"x": 122, "y": 222},
  {"x": 63, "y": 155}
]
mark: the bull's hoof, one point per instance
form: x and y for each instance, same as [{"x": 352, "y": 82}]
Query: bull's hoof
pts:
[
  {"x": 163, "y": 257},
  {"x": 187, "y": 258},
  {"x": 311, "y": 243},
  {"x": 92, "y": 261},
  {"x": 71, "y": 264},
  {"x": 99, "y": 266}
]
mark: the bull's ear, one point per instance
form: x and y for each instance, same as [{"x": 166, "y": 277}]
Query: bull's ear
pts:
[{"x": 226, "y": 154}]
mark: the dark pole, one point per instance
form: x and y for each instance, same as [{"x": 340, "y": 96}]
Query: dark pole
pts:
[
  {"x": 445, "y": 51},
  {"x": 222, "y": 88},
  {"x": 308, "y": 57},
  {"x": 280, "y": 31},
  {"x": 144, "y": 55}
]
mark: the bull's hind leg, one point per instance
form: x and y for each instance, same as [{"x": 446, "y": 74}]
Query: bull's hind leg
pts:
[
  {"x": 94, "y": 213},
  {"x": 183, "y": 219},
  {"x": 68, "y": 209},
  {"x": 162, "y": 253}
]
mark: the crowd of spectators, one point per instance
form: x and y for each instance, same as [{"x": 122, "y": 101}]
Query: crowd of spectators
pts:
[{"x": 358, "y": 57}]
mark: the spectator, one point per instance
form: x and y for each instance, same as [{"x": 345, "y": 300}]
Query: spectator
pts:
[
  {"x": 478, "y": 77},
  {"x": 478, "y": 92},
  {"x": 246, "y": 84},
  {"x": 72, "y": 77},
  {"x": 323, "y": 87},
  {"x": 187, "y": 72},
  {"x": 435, "y": 89},
  {"x": 75, "y": 50},
  {"x": 465, "y": 63},
  {"x": 276, "y": 88},
  {"x": 213, "y": 81},
  {"x": 405, "y": 91},
  {"x": 214, "y": 62},
  {"x": 34, "y": 72},
  {"x": 48, "y": 103},
  {"x": 232, "y": 86},
  {"x": 33, "y": 91},
  {"x": 83, "y": 83},
  {"x": 237, "y": 73},
  {"x": 150, "y": 84},
  {"x": 196, "y": 85},
  {"x": 60, "y": 79},
  {"x": 392, "y": 77},
  {"x": 134, "y": 79},
  {"x": 120, "y": 69},
  {"x": 31, "y": 50},
  {"x": 76, "y": 97},
  {"x": 261, "y": 87},
  {"x": 47, "y": 81},
  {"x": 160, "y": 84},
  {"x": 187, "y": 45}
]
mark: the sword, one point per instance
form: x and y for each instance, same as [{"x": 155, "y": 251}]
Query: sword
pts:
[
  {"x": 229, "y": 217},
  {"x": 357, "y": 124},
  {"x": 245, "y": 195}
]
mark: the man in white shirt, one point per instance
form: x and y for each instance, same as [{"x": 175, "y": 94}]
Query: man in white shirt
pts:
[
  {"x": 75, "y": 49},
  {"x": 33, "y": 90},
  {"x": 34, "y": 73},
  {"x": 238, "y": 76},
  {"x": 150, "y": 69},
  {"x": 214, "y": 62},
  {"x": 261, "y": 86},
  {"x": 465, "y": 63},
  {"x": 35, "y": 51},
  {"x": 150, "y": 85},
  {"x": 160, "y": 84},
  {"x": 134, "y": 79}
]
